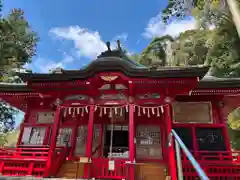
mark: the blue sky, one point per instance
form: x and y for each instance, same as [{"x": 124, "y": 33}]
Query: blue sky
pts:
[{"x": 72, "y": 33}]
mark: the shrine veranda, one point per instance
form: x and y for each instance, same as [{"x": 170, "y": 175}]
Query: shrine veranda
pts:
[{"x": 112, "y": 120}]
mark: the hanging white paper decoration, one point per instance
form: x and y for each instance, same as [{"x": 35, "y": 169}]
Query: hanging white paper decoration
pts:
[
  {"x": 86, "y": 109},
  {"x": 75, "y": 111},
  {"x": 111, "y": 111},
  {"x": 65, "y": 112},
  {"x": 69, "y": 110},
  {"x": 149, "y": 111},
  {"x": 82, "y": 111},
  {"x": 117, "y": 110},
  {"x": 126, "y": 108},
  {"x": 78, "y": 110}
]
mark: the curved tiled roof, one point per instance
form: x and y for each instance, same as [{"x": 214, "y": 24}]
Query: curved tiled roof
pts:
[
  {"x": 116, "y": 61},
  {"x": 215, "y": 82},
  {"x": 205, "y": 83}
]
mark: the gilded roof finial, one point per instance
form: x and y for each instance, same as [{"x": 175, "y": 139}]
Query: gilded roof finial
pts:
[{"x": 108, "y": 46}]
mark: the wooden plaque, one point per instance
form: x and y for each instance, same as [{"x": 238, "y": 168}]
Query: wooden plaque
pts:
[{"x": 192, "y": 112}]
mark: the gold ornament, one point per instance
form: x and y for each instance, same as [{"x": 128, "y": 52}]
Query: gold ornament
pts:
[{"x": 109, "y": 78}]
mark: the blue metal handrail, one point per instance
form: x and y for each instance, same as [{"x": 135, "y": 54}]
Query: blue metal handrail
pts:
[{"x": 179, "y": 144}]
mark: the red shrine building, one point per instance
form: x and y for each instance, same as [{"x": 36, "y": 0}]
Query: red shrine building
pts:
[{"x": 112, "y": 120}]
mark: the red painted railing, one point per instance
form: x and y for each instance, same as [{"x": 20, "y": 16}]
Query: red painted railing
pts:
[
  {"x": 218, "y": 165},
  {"x": 25, "y": 161},
  {"x": 214, "y": 157},
  {"x": 214, "y": 172},
  {"x": 29, "y": 161},
  {"x": 30, "y": 152},
  {"x": 100, "y": 169}
]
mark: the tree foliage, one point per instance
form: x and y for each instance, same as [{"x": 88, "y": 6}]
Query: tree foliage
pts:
[
  {"x": 215, "y": 43},
  {"x": 17, "y": 46},
  {"x": 17, "y": 42},
  {"x": 217, "y": 40},
  {"x": 155, "y": 54}
]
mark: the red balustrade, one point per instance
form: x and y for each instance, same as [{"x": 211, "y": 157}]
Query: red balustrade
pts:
[
  {"x": 29, "y": 161},
  {"x": 215, "y": 157},
  {"x": 218, "y": 165},
  {"x": 100, "y": 169},
  {"x": 214, "y": 172},
  {"x": 27, "y": 153}
]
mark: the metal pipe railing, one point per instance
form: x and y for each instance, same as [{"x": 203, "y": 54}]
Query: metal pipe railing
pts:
[{"x": 179, "y": 144}]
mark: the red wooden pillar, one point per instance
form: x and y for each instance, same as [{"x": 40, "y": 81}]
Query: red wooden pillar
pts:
[
  {"x": 55, "y": 129},
  {"x": 89, "y": 141},
  {"x": 172, "y": 169},
  {"x": 131, "y": 142},
  {"x": 54, "y": 134}
]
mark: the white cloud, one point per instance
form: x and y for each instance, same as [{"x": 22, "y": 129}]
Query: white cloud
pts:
[
  {"x": 44, "y": 65},
  {"x": 156, "y": 27},
  {"x": 122, "y": 37},
  {"x": 67, "y": 58},
  {"x": 87, "y": 43}
]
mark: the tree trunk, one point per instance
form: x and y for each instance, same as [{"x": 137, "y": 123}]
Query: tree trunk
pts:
[{"x": 234, "y": 9}]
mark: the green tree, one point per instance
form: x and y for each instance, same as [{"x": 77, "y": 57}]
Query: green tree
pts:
[
  {"x": 220, "y": 21},
  {"x": 190, "y": 48},
  {"x": 233, "y": 128},
  {"x": 222, "y": 41},
  {"x": 17, "y": 46},
  {"x": 17, "y": 42},
  {"x": 155, "y": 54}
]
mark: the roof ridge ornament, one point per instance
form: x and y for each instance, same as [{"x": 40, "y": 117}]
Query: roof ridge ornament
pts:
[
  {"x": 119, "y": 45},
  {"x": 108, "y": 46},
  {"x": 118, "y": 52}
]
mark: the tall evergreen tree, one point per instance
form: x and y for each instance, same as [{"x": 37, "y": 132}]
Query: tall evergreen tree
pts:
[{"x": 17, "y": 47}]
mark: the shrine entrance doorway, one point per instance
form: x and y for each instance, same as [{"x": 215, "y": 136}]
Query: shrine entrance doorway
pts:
[
  {"x": 116, "y": 154},
  {"x": 116, "y": 141}
]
